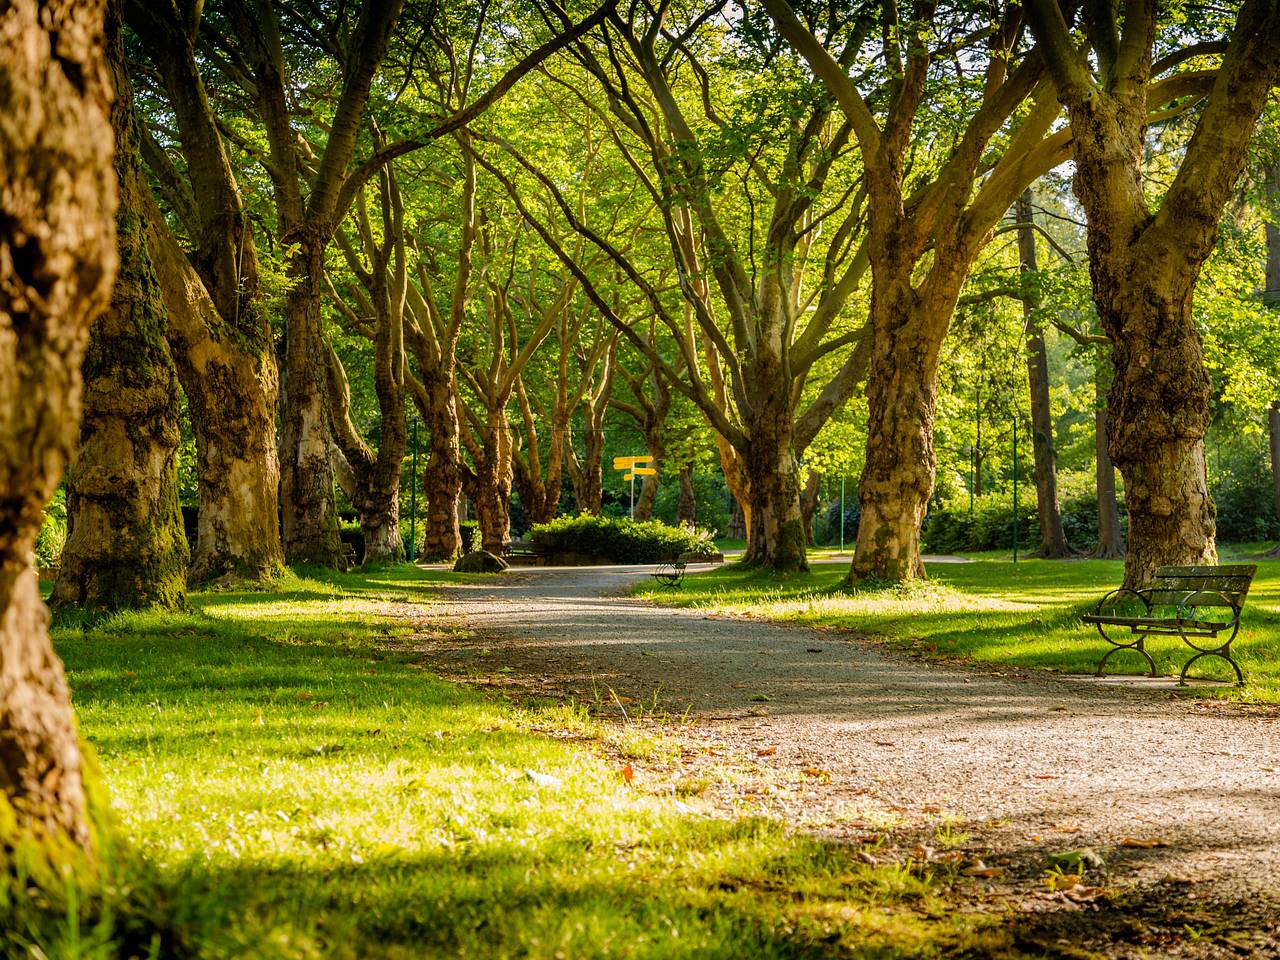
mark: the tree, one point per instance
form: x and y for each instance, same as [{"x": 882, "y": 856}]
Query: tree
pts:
[
  {"x": 57, "y": 264},
  {"x": 1145, "y": 257},
  {"x": 765, "y": 291},
  {"x": 1053, "y": 541},
  {"x": 924, "y": 232},
  {"x": 379, "y": 265},
  {"x": 218, "y": 329},
  {"x": 125, "y": 544}
]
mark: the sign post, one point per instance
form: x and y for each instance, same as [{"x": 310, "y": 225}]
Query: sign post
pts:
[{"x": 631, "y": 469}]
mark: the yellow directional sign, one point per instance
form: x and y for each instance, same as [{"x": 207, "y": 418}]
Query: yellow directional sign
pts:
[
  {"x": 645, "y": 472},
  {"x": 628, "y": 476},
  {"x": 626, "y": 463}
]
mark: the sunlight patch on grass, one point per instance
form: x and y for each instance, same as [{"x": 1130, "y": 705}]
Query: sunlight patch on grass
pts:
[{"x": 292, "y": 784}]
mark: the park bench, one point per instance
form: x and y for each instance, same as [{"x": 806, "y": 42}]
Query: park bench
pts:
[
  {"x": 671, "y": 574},
  {"x": 1180, "y": 602}
]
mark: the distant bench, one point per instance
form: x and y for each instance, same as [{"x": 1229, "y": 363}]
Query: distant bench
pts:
[
  {"x": 671, "y": 574},
  {"x": 1171, "y": 606}
]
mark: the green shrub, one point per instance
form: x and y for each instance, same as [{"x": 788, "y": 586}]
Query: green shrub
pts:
[
  {"x": 952, "y": 527},
  {"x": 619, "y": 540},
  {"x": 53, "y": 532}
]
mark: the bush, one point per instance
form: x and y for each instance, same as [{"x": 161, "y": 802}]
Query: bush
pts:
[
  {"x": 53, "y": 532},
  {"x": 952, "y": 528},
  {"x": 619, "y": 540}
]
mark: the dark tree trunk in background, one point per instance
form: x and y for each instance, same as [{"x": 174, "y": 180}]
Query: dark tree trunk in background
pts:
[
  {"x": 687, "y": 508},
  {"x": 1110, "y": 539},
  {"x": 809, "y": 503},
  {"x": 57, "y": 263},
  {"x": 1053, "y": 541},
  {"x": 775, "y": 528},
  {"x": 125, "y": 544},
  {"x": 1271, "y": 297},
  {"x": 737, "y": 519}
]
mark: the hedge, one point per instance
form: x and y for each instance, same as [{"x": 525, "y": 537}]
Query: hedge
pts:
[{"x": 619, "y": 540}]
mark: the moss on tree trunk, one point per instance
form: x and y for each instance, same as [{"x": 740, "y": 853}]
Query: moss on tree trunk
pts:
[{"x": 125, "y": 545}]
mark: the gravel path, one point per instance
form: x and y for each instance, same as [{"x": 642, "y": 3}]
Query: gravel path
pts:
[{"x": 867, "y": 737}]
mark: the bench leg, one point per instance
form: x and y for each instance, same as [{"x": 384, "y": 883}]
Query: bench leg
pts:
[
  {"x": 1224, "y": 652},
  {"x": 1117, "y": 647}
]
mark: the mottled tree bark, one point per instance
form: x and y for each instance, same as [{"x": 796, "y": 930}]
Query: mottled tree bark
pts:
[
  {"x": 587, "y": 475},
  {"x": 57, "y": 263},
  {"x": 897, "y": 479},
  {"x": 442, "y": 479},
  {"x": 125, "y": 543},
  {"x": 1144, "y": 264},
  {"x": 775, "y": 527},
  {"x": 1053, "y": 541},
  {"x": 491, "y": 462},
  {"x": 219, "y": 334}
]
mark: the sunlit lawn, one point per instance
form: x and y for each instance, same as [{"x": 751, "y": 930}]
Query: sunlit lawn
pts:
[
  {"x": 1025, "y": 614},
  {"x": 302, "y": 787}
]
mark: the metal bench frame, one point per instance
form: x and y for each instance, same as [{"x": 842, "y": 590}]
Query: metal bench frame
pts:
[
  {"x": 1185, "y": 590},
  {"x": 671, "y": 574}
]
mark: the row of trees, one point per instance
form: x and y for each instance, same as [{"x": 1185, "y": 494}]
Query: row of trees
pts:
[{"x": 332, "y": 214}]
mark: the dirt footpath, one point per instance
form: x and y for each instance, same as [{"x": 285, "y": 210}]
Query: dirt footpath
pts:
[{"x": 853, "y": 740}]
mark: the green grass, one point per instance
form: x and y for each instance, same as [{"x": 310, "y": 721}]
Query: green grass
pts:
[
  {"x": 1025, "y": 614},
  {"x": 289, "y": 781}
]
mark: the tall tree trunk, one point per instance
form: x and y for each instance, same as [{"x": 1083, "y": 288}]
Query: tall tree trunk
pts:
[
  {"x": 306, "y": 475},
  {"x": 1110, "y": 539},
  {"x": 1271, "y": 297},
  {"x": 218, "y": 331},
  {"x": 657, "y": 448},
  {"x": 493, "y": 483},
  {"x": 809, "y": 503},
  {"x": 590, "y": 482},
  {"x": 775, "y": 530},
  {"x": 687, "y": 508},
  {"x": 125, "y": 545},
  {"x": 902, "y": 393},
  {"x": 231, "y": 384},
  {"x": 442, "y": 481},
  {"x": 1273, "y": 436},
  {"x": 57, "y": 263},
  {"x": 737, "y": 518},
  {"x": 1144, "y": 264},
  {"x": 1053, "y": 541}
]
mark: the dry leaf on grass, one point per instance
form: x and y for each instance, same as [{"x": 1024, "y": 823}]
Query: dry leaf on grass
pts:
[
  {"x": 766, "y": 751},
  {"x": 628, "y": 773},
  {"x": 1143, "y": 843}
]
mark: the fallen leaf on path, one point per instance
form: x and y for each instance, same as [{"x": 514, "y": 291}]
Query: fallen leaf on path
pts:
[
  {"x": 766, "y": 751},
  {"x": 1057, "y": 882},
  {"x": 1045, "y": 776},
  {"x": 628, "y": 774},
  {"x": 884, "y": 743},
  {"x": 738, "y": 686},
  {"x": 932, "y": 808},
  {"x": 980, "y": 869},
  {"x": 817, "y": 772},
  {"x": 1143, "y": 843},
  {"x": 1067, "y": 828}
]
